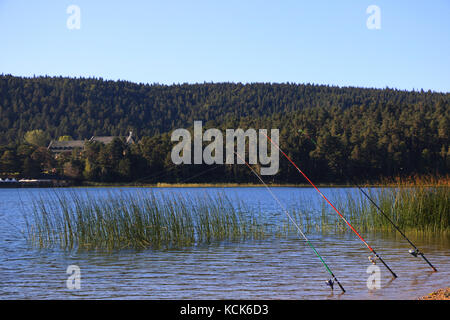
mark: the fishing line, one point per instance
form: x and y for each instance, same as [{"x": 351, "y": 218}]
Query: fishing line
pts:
[
  {"x": 167, "y": 171},
  {"x": 416, "y": 252},
  {"x": 334, "y": 208},
  {"x": 199, "y": 174},
  {"x": 329, "y": 282},
  {"x": 159, "y": 174}
]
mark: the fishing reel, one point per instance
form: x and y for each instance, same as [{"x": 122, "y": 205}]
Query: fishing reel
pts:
[
  {"x": 330, "y": 283},
  {"x": 373, "y": 259},
  {"x": 413, "y": 252}
]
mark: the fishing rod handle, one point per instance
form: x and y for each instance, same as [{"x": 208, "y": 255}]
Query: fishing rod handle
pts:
[
  {"x": 382, "y": 261},
  {"x": 340, "y": 286},
  {"x": 426, "y": 260}
]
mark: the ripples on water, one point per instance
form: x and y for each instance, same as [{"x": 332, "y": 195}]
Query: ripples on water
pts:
[{"x": 266, "y": 269}]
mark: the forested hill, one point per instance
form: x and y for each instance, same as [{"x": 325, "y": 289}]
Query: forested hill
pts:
[
  {"x": 84, "y": 107},
  {"x": 384, "y": 129}
]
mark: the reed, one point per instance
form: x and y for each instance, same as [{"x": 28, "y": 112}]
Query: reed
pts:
[
  {"x": 413, "y": 208},
  {"x": 418, "y": 208},
  {"x": 166, "y": 220},
  {"x": 139, "y": 220}
]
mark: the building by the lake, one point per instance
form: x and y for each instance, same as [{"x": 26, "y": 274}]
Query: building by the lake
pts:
[{"x": 70, "y": 145}]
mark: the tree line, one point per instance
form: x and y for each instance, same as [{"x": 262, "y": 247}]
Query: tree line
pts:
[{"x": 366, "y": 133}]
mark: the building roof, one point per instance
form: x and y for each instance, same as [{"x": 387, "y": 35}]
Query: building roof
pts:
[
  {"x": 65, "y": 145},
  {"x": 108, "y": 139},
  {"x": 62, "y": 146},
  {"x": 104, "y": 139},
  {"x": 130, "y": 139}
]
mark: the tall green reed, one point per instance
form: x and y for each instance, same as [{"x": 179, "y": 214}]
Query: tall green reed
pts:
[
  {"x": 415, "y": 209},
  {"x": 139, "y": 220},
  {"x": 163, "y": 220}
]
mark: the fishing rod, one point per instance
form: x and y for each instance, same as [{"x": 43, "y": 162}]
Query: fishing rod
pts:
[
  {"x": 331, "y": 281},
  {"x": 335, "y": 209},
  {"x": 414, "y": 252}
]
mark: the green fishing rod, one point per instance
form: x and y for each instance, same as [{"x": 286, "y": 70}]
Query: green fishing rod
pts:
[
  {"x": 333, "y": 279},
  {"x": 414, "y": 252}
]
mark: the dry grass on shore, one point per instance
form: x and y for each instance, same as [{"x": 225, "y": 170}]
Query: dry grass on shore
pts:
[{"x": 441, "y": 294}]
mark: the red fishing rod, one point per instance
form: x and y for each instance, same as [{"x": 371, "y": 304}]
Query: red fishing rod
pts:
[
  {"x": 334, "y": 208},
  {"x": 415, "y": 252}
]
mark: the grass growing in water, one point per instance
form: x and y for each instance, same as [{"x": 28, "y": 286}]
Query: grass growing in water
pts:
[
  {"x": 138, "y": 221},
  {"x": 413, "y": 208},
  {"x": 417, "y": 208},
  {"x": 158, "y": 220}
]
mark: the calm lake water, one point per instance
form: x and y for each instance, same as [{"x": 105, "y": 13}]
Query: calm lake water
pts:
[{"x": 275, "y": 268}]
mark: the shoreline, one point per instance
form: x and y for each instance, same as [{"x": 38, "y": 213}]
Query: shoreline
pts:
[
  {"x": 211, "y": 185},
  {"x": 441, "y": 294},
  {"x": 217, "y": 185}
]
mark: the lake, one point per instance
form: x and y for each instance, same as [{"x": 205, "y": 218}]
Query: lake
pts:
[{"x": 272, "y": 268}]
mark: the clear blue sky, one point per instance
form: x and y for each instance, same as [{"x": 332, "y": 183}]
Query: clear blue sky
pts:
[{"x": 316, "y": 41}]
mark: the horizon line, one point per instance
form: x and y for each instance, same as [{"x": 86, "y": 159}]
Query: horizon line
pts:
[{"x": 100, "y": 78}]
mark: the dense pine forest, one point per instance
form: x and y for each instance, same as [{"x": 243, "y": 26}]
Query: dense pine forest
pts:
[{"x": 367, "y": 133}]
